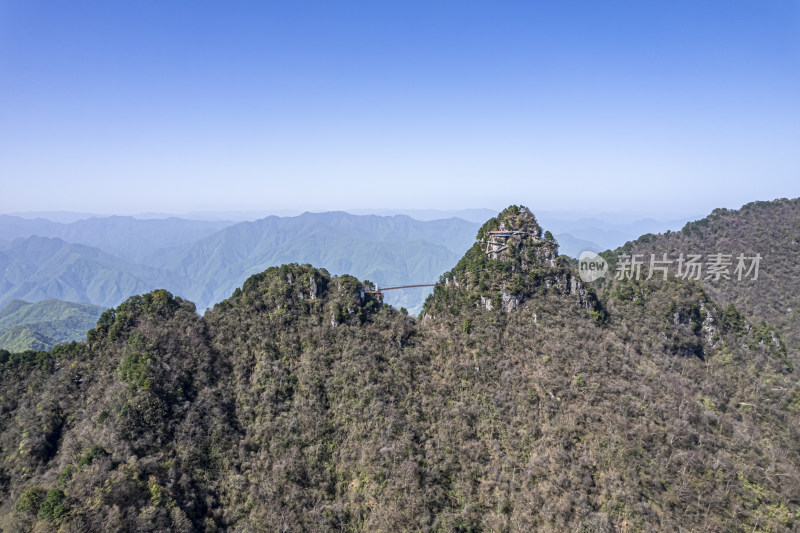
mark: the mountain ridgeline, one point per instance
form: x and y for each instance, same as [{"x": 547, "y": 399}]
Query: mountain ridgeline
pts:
[
  {"x": 770, "y": 230},
  {"x": 519, "y": 400},
  {"x": 43, "y": 325},
  {"x": 105, "y": 260}
]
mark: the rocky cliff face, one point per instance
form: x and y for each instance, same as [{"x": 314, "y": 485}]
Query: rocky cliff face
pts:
[{"x": 510, "y": 263}]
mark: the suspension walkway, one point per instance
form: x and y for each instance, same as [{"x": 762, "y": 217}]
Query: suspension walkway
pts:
[{"x": 378, "y": 290}]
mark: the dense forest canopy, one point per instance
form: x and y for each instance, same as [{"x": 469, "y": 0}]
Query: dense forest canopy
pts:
[{"x": 521, "y": 399}]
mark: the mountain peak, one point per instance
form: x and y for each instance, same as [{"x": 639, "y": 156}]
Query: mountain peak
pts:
[
  {"x": 514, "y": 235},
  {"x": 514, "y": 218},
  {"x": 282, "y": 294},
  {"x": 511, "y": 261}
]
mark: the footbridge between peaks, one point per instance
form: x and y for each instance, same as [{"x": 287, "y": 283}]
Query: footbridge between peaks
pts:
[{"x": 377, "y": 290}]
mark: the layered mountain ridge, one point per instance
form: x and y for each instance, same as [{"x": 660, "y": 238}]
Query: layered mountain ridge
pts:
[
  {"x": 521, "y": 399},
  {"x": 769, "y": 230},
  {"x": 104, "y": 261},
  {"x": 43, "y": 325}
]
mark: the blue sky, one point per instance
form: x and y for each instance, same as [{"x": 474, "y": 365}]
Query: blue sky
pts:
[{"x": 649, "y": 107}]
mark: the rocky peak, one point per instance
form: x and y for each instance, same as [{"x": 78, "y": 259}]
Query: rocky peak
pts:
[
  {"x": 515, "y": 235},
  {"x": 515, "y": 219},
  {"x": 282, "y": 294},
  {"x": 511, "y": 260}
]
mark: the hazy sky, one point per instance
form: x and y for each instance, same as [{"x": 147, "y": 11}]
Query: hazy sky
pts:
[{"x": 669, "y": 106}]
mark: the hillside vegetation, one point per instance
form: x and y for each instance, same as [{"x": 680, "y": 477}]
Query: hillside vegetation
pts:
[
  {"x": 42, "y": 325},
  {"x": 520, "y": 400},
  {"x": 771, "y": 229}
]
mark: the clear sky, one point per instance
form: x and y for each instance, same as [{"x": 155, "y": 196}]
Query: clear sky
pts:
[{"x": 668, "y": 106}]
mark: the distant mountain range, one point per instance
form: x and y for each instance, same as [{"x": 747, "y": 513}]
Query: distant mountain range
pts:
[
  {"x": 39, "y": 268},
  {"x": 129, "y": 238},
  {"x": 42, "y": 325},
  {"x": 103, "y": 260},
  {"x": 386, "y": 250}
]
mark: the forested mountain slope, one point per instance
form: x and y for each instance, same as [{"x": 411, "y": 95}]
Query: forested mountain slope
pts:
[
  {"x": 768, "y": 229},
  {"x": 42, "y": 325},
  {"x": 519, "y": 400}
]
